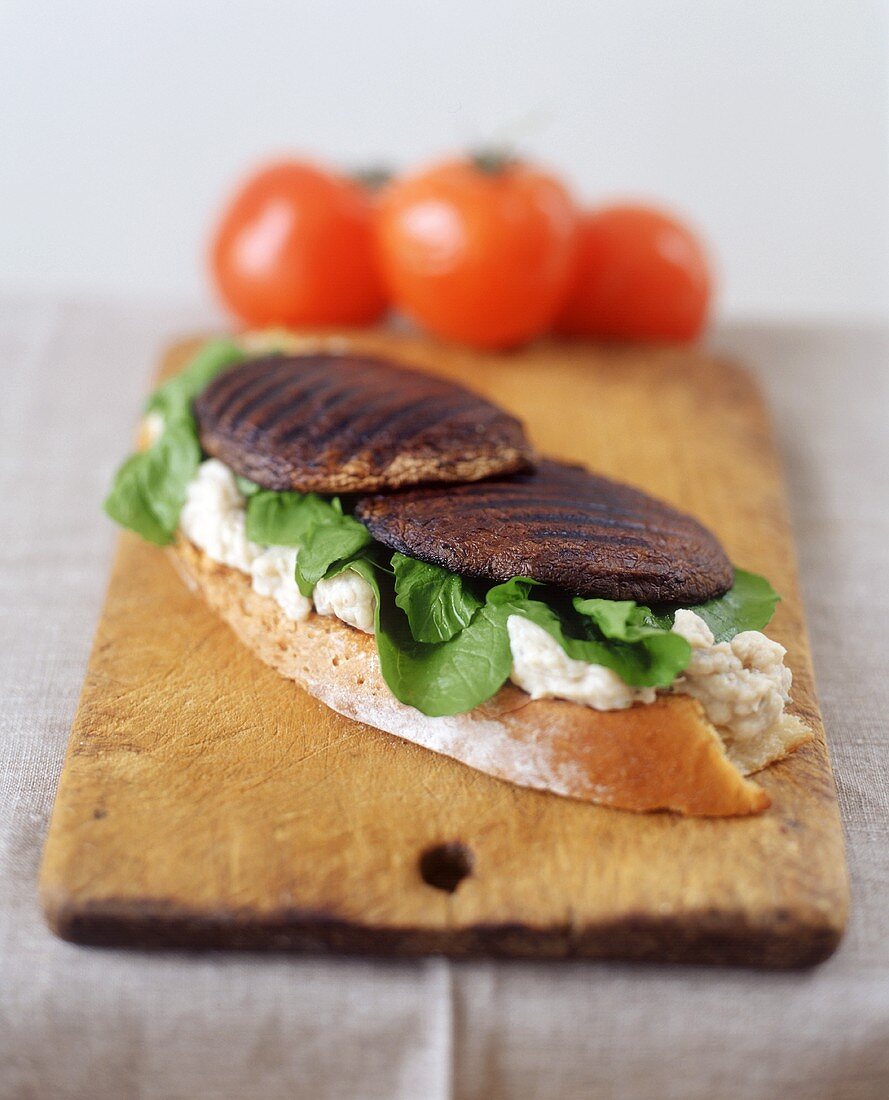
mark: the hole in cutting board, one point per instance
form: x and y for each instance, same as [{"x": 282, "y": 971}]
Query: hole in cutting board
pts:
[{"x": 444, "y": 866}]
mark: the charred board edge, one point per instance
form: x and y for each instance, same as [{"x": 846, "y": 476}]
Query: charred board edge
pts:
[{"x": 710, "y": 937}]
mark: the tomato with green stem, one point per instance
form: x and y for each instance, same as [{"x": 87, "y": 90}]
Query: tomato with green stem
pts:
[
  {"x": 478, "y": 249},
  {"x": 295, "y": 246}
]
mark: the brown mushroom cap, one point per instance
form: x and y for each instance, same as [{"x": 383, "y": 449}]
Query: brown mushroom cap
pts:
[
  {"x": 561, "y": 525},
  {"x": 332, "y": 423}
]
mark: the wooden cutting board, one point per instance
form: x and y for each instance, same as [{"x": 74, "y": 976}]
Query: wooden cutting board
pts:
[{"x": 207, "y": 802}]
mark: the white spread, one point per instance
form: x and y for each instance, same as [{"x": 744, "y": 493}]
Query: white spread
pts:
[
  {"x": 273, "y": 575},
  {"x": 349, "y": 597},
  {"x": 742, "y": 684},
  {"x": 214, "y": 518},
  {"x": 543, "y": 669}
]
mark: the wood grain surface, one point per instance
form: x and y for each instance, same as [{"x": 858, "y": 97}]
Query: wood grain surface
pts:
[{"x": 207, "y": 802}]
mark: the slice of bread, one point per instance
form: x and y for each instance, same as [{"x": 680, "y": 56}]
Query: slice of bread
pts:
[{"x": 660, "y": 756}]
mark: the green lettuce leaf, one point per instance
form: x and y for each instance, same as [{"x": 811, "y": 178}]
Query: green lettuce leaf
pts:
[
  {"x": 149, "y": 488},
  {"x": 446, "y": 678},
  {"x": 623, "y": 620},
  {"x": 174, "y": 398},
  {"x": 328, "y": 545},
  {"x": 288, "y": 519},
  {"x": 246, "y": 487},
  {"x": 619, "y": 634},
  {"x": 438, "y": 603},
  {"x": 748, "y": 605},
  {"x": 450, "y": 677},
  {"x": 512, "y": 592}
]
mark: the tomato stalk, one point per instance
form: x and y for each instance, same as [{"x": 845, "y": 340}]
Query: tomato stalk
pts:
[
  {"x": 493, "y": 160},
  {"x": 373, "y": 178}
]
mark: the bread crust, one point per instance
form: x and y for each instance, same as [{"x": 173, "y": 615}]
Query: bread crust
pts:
[{"x": 659, "y": 756}]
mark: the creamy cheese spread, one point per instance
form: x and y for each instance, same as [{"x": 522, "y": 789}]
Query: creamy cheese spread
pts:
[
  {"x": 743, "y": 684},
  {"x": 349, "y": 597},
  {"x": 542, "y": 668},
  {"x": 273, "y": 575},
  {"x": 214, "y": 517}
]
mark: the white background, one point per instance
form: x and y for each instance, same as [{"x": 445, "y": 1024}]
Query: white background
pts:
[{"x": 123, "y": 124}]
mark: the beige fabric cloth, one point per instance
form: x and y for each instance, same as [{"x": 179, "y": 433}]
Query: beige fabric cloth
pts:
[{"x": 78, "y": 1023}]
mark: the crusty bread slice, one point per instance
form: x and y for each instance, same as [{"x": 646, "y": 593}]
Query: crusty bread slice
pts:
[{"x": 660, "y": 756}]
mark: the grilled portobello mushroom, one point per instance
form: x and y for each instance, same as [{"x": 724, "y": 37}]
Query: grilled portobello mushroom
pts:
[
  {"x": 561, "y": 525},
  {"x": 332, "y": 423}
]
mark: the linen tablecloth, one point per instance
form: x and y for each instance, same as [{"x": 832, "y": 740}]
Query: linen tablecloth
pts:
[{"x": 78, "y": 1023}]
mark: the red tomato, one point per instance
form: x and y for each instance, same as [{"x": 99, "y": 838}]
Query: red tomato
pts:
[
  {"x": 640, "y": 274},
  {"x": 478, "y": 251},
  {"x": 296, "y": 246}
]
